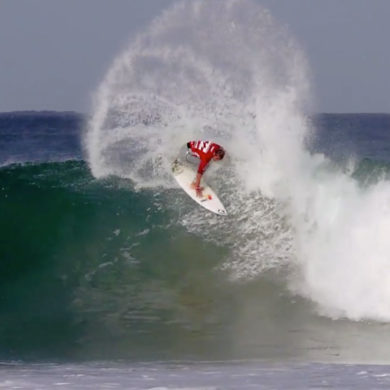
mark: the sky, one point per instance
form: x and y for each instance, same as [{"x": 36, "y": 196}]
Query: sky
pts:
[{"x": 54, "y": 53}]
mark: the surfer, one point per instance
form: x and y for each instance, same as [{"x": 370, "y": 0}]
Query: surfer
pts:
[{"x": 205, "y": 151}]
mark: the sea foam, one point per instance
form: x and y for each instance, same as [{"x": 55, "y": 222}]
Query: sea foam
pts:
[{"x": 225, "y": 70}]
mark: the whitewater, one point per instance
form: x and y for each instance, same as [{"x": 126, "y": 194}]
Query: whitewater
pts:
[{"x": 227, "y": 71}]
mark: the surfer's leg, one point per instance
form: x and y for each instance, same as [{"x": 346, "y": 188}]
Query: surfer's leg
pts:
[{"x": 186, "y": 154}]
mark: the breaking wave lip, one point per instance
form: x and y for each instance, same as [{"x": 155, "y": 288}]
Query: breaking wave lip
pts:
[{"x": 226, "y": 70}]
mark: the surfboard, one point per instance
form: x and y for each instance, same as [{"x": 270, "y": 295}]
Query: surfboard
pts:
[{"x": 184, "y": 176}]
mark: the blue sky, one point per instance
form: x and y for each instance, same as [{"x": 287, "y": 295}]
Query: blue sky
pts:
[{"x": 53, "y": 53}]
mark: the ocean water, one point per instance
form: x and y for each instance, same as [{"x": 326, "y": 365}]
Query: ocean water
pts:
[
  {"x": 111, "y": 277},
  {"x": 105, "y": 284}
]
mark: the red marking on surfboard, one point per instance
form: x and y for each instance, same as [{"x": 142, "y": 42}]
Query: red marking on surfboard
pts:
[{"x": 206, "y": 197}]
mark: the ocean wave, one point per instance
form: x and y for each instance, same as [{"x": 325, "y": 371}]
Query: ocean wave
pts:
[
  {"x": 96, "y": 269},
  {"x": 246, "y": 86}
]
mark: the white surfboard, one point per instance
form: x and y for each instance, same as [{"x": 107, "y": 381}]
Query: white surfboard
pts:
[{"x": 184, "y": 175}]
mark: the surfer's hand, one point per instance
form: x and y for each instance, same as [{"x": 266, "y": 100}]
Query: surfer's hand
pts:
[{"x": 199, "y": 191}]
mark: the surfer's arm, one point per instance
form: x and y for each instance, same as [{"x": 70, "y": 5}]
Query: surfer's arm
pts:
[
  {"x": 197, "y": 180},
  {"x": 196, "y": 184}
]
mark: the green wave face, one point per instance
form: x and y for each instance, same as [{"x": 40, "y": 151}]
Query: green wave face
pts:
[{"x": 94, "y": 268}]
